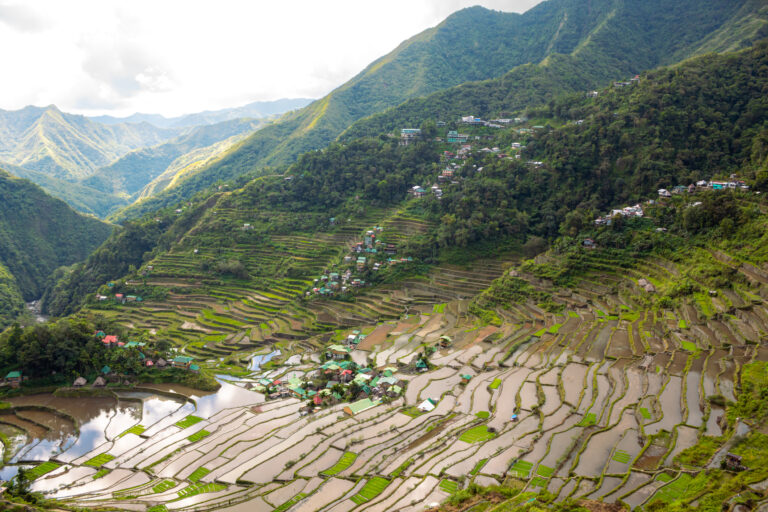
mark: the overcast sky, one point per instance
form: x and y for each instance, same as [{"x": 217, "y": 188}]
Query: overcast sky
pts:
[{"x": 173, "y": 57}]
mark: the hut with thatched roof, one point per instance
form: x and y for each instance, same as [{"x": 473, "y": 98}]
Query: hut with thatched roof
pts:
[
  {"x": 161, "y": 363},
  {"x": 79, "y": 382},
  {"x": 100, "y": 382}
]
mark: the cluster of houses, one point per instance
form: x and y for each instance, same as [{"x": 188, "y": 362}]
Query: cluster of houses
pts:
[
  {"x": 631, "y": 81},
  {"x": 120, "y": 298},
  {"x": 371, "y": 253},
  {"x": 627, "y": 211},
  {"x": 733, "y": 184},
  {"x": 337, "y": 380},
  {"x": 113, "y": 341}
]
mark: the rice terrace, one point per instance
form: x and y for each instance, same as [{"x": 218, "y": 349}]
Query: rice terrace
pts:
[{"x": 595, "y": 396}]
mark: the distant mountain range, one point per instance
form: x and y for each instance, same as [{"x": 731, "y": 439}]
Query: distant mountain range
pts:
[
  {"x": 69, "y": 146},
  {"x": 99, "y": 165},
  {"x": 556, "y": 47},
  {"x": 255, "y": 110}
]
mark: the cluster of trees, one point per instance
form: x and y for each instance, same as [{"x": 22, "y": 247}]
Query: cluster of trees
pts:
[{"x": 65, "y": 349}]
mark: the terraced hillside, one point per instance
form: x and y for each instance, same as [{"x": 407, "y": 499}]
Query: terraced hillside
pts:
[
  {"x": 210, "y": 314},
  {"x": 605, "y": 395}
]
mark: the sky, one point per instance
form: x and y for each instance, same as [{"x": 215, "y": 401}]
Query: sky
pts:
[{"x": 174, "y": 57}]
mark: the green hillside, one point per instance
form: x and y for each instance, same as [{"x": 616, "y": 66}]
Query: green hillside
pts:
[
  {"x": 38, "y": 234},
  {"x": 68, "y": 146},
  {"x": 127, "y": 176},
  {"x": 605, "y": 40},
  {"x": 630, "y": 142},
  {"x": 639, "y": 36},
  {"x": 80, "y": 197}
]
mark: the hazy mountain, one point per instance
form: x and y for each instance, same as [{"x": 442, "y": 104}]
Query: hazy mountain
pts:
[
  {"x": 69, "y": 146},
  {"x": 257, "y": 109},
  {"x": 606, "y": 38},
  {"x": 127, "y": 176}
]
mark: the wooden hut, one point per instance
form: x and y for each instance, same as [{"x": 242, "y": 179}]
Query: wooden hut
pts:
[
  {"x": 79, "y": 382},
  {"x": 100, "y": 382}
]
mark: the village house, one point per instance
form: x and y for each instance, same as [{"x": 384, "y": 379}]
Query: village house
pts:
[
  {"x": 337, "y": 352},
  {"x": 427, "y": 405},
  {"x": 455, "y": 137},
  {"x": 360, "y": 406},
  {"x": 79, "y": 382},
  {"x": 13, "y": 378},
  {"x": 182, "y": 362},
  {"x": 409, "y": 135},
  {"x": 418, "y": 191}
]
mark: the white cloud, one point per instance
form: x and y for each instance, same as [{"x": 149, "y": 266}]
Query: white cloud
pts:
[{"x": 173, "y": 56}]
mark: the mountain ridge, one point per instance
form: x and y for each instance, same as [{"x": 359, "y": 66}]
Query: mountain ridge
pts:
[
  {"x": 255, "y": 109},
  {"x": 555, "y": 26}
]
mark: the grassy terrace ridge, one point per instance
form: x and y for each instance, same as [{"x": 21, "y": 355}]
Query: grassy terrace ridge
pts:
[
  {"x": 346, "y": 460},
  {"x": 477, "y": 434},
  {"x": 197, "y": 436},
  {"x": 198, "y": 474},
  {"x": 188, "y": 421},
  {"x": 99, "y": 460},
  {"x": 200, "y": 488},
  {"x": 42, "y": 469},
  {"x": 370, "y": 490}
]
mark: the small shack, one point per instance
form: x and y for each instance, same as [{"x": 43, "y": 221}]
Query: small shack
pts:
[
  {"x": 100, "y": 382},
  {"x": 427, "y": 405},
  {"x": 79, "y": 382},
  {"x": 161, "y": 363},
  {"x": 360, "y": 406},
  {"x": 13, "y": 378}
]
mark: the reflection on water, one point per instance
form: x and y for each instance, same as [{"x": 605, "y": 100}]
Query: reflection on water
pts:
[
  {"x": 208, "y": 404},
  {"x": 260, "y": 359},
  {"x": 8, "y": 472}
]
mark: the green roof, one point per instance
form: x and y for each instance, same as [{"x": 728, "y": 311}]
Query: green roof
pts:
[
  {"x": 396, "y": 389},
  {"x": 106, "y": 369},
  {"x": 16, "y": 374},
  {"x": 183, "y": 359},
  {"x": 466, "y": 377},
  {"x": 194, "y": 367},
  {"x": 421, "y": 364},
  {"x": 362, "y": 405},
  {"x": 338, "y": 348}
]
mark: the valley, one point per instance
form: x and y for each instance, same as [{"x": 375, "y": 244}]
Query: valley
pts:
[{"x": 516, "y": 264}]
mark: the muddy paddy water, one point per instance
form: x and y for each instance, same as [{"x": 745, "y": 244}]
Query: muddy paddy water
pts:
[{"x": 65, "y": 428}]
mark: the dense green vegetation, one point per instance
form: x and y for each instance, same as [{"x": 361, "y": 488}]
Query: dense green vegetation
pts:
[
  {"x": 637, "y": 36},
  {"x": 37, "y": 235},
  {"x": 127, "y": 248}
]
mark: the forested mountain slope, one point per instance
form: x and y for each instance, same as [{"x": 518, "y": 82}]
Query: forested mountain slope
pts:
[
  {"x": 80, "y": 197},
  {"x": 600, "y": 40},
  {"x": 702, "y": 118},
  {"x": 37, "y": 235},
  {"x": 639, "y": 36}
]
